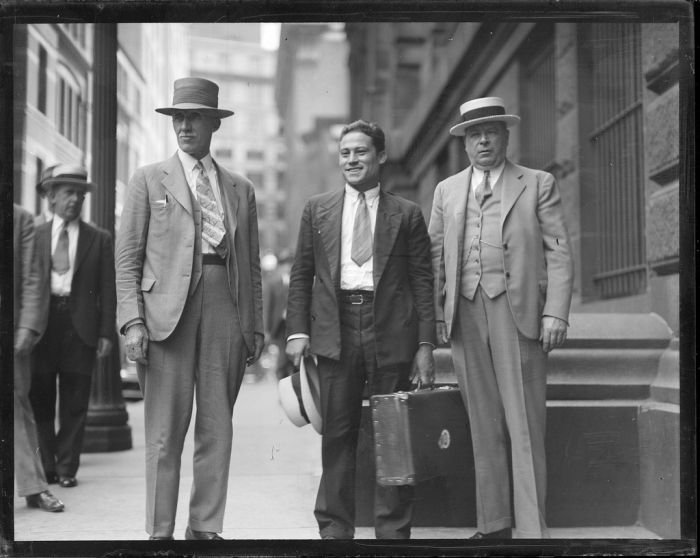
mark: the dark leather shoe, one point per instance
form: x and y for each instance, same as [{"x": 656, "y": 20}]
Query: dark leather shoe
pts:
[
  {"x": 52, "y": 478},
  {"x": 160, "y": 539},
  {"x": 45, "y": 501},
  {"x": 500, "y": 534},
  {"x": 68, "y": 482},
  {"x": 192, "y": 535}
]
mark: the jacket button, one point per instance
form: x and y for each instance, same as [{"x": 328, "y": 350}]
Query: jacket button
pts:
[
  {"x": 507, "y": 275},
  {"x": 505, "y": 246}
]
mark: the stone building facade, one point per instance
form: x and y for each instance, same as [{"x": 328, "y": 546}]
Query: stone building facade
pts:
[{"x": 601, "y": 106}]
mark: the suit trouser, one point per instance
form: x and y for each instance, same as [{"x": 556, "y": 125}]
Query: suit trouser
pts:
[
  {"x": 61, "y": 354},
  {"x": 204, "y": 360},
  {"x": 342, "y": 385},
  {"x": 502, "y": 377},
  {"x": 29, "y": 472}
]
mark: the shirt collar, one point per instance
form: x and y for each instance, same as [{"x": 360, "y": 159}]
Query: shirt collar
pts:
[
  {"x": 189, "y": 162},
  {"x": 57, "y": 225},
  {"x": 370, "y": 195},
  {"x": 494, "y": 173}
]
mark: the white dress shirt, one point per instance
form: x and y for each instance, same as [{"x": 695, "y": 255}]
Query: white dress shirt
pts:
[
  {"x": 352, "y": 276},
  {"x": 189, "y": 165},
  {"x": 61, "y": 284},
  {"x": 478, "y": 177}
]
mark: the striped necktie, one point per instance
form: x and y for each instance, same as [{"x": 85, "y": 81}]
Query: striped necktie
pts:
[
  {"x": 483, "y": 190},
  {"x": 60, "y": 261},
  {"x": 213, "y": 230},
  {"x": 361, "y": 233}
]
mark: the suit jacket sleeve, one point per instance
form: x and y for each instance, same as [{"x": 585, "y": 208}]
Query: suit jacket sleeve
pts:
[
  {"x": 108, "y": 298},
  {"x": 301, "y": 279},
  {"x": 31, "y": 315},
  {"x": 130, "y": 251},
  {"x": 557, "y": 252},
  {"x": 256, "y": 275},
  {"x": 436, "y": 229},
  {"x": 421, "y": 276}
]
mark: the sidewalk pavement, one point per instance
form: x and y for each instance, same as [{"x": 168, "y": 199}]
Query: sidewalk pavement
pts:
[{"x": 275, "y": 471}]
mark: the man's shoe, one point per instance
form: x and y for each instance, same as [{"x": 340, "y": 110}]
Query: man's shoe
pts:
[
  {"x": 160, "y": 538},
  {"x": 45, "y": 501},
  {"x": 505, "y": 533},
  {"x": 51, "y": 478},
  {"x": 68, "y": 482},
  {"x": 192, "y": 535}
]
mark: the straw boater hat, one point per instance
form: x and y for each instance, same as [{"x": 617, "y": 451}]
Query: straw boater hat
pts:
[
  {"x": 57, "y": 175},
  {"x": 193, "y": 93},
  {"x": 300, "y": 395},
  {"x": 485, "y": 109}
]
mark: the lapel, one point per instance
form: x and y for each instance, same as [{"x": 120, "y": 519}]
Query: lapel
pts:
[
  {"x": 174, "y": 181},
  {"x": 86, "y": 237},
  {"x": 329, "y": 218},
  {"x": 45, "y": 233},
  {"x": 229, "y": 201},
  {"x": 460, "y": 198},
  {"x": 512, "y": 186},
  {"x": 386, "y": 228}
]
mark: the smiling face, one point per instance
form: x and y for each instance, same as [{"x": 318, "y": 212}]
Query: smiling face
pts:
[
  {"x": 486, "y": 144},
  {"x": 359, "y": 161},
  {"x": 193, "y": 131}
]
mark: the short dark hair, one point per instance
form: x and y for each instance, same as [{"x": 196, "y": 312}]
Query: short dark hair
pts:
[{"x": 370, "y": 129}]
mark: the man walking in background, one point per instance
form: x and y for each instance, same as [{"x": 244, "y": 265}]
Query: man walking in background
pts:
[
  {"x": 29, "y": 321},
  {"x": 360, "y": 299},
  {"x": 503, "y": 281},
  {"x": 190, "y": 305},
  {"x": 76, "y": 273}
]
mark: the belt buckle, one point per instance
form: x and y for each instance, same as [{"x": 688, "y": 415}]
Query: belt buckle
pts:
[{"x": 356, "y": 297}]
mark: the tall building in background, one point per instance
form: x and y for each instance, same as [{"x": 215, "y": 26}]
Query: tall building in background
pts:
[
  {"x": 311, "y": 92},
  {"x": 230, "y": 54},
  {"x": 53, "y": 100}
]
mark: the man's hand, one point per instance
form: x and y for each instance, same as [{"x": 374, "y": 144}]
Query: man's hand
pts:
[
  {"x": 24, "y": 341},
  {"x": 424, "y": 365},
  {"x": 104, "y": 347},
  {"x": 441, "y": 330},
  {"x": 296, "y": 349},
  {"x": 552, "y": 333},
  {"x": 136, "y": 343},
  {"x": 259, "y": 344}
]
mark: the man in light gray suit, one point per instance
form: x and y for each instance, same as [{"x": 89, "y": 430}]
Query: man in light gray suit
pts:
[
  {"x": 189, "y": 298},
  {"x": 503, "y": 279}
]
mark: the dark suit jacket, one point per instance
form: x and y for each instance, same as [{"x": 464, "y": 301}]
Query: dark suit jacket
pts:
[
  {"x": 158, "y": 248},
  {"x": 403, "y": 281},
  {"x": 27, "y": 296},
  {"x": 93, "y": 297}
]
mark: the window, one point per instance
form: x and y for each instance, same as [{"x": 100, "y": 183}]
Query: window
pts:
[
  {"x": 70, "y": 113},
  {"x": 612, "y": 127},
  {"x": 280, "y": 180},
  {"x": 41, "y": 99},
  {"x": 538, "y": 107},
  {"x": 281, "y": 212},
  {"x": 255, "y": 155},
  {"x": 223, "y": 153}
]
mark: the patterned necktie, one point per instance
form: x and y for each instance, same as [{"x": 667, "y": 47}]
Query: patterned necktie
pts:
[
  {"x": 213, "y": 230},
  {"x": 361, "y": 233},
  {"x": 483, "y": 190},
  {"x": 60, "y": 262}
]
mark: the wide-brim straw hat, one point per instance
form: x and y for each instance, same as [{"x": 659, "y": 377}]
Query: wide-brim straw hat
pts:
[
  {"x": 484, "y": 109},
  {"x": 300, "y": 395},
  {"x": 194, "y": 93},
  {"x": 57, "y": 175}
]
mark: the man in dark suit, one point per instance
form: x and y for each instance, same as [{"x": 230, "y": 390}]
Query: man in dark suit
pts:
[
  {"x": 360, "y": 299},
  {"x": 28, "y": 322},
  {"x": 190, "y": 305},
  {"x": 76, "y": 271},
  {"x": 503, "y": 281}
]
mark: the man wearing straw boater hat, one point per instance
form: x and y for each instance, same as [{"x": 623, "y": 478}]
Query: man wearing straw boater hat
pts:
[
  {"x": 75, "y": 263},
  {"x": 190, "y": 306},
  {"x": 503, "y": 280}
]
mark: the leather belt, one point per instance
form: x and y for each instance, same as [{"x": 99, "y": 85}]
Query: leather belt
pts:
[
  {"x": 212, "y": 259},
  {"x": 356, "y": 297}
]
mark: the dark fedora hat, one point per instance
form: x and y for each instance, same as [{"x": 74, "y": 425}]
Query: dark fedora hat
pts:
[
  {"x": 58, "y": 175},
  {"x": 194, "y": 93},
  {"x": 300, "y": 396},
  {"x": 484, "y": 109}
]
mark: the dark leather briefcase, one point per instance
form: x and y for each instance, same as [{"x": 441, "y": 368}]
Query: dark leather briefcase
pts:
[{"x": 419, "y": 435}]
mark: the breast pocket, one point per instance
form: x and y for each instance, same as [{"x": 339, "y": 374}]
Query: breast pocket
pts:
[{"x": 159, "y": 224}]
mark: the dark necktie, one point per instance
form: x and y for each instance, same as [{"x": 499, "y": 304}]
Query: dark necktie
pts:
[
  {"x": 361, "y": 233},
  {"x": 483, "y": 190},
  {"x": 213, "y": 230},
  {"x": 60, "y": 261}
]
